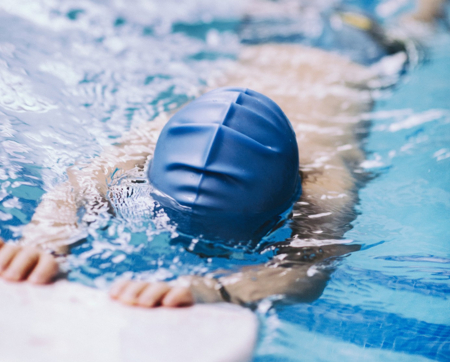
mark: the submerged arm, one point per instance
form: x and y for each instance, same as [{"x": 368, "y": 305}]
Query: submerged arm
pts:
[
  {"x": 295, "y": 275},
  {"x": 55, "y": 224},
  {"x": 428, "y": 10}
]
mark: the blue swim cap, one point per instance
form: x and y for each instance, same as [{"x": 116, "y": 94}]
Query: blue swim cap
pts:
[{"x": 226, "y": 165}]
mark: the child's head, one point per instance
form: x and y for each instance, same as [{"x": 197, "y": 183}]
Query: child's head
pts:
[{"x": 226, "y": 165}]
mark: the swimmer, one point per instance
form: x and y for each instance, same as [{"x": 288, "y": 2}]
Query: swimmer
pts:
[{"x": 320, "y": 93}]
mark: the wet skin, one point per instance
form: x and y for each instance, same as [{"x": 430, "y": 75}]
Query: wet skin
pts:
[
  {"x": 150, "y": 295},
  {"x": 19, "y": 263}
]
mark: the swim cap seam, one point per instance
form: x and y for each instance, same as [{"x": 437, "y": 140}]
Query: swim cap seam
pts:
[
  {"x": 271, "y": 111},
  {"x": 251, "y": 140},
  {"x": 284, "y": 118},
  {"x": 199, "y": 169},
  {"x": 210, "y": 148},
  {"x": 244, "y": 136}
]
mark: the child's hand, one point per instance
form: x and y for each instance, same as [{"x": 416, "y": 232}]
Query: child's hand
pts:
[
  {"x": 19, "y": 263},
  {"x": 150, "y": 295}
]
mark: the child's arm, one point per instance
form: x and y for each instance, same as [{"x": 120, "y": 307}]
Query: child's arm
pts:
[
  {"x": 18, "y": 263},
  {"x": 428, "y": 10},
  {"x": 298, "y": 275},
  {"x": 55, "y": 224}
]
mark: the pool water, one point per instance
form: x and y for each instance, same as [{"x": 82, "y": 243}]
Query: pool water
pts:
[
  {"x": 74, "y": 76},
  {"x": 389, "y": 301}
]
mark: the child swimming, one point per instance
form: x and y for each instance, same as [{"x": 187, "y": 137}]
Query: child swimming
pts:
[{"x": 295, "y": 78}]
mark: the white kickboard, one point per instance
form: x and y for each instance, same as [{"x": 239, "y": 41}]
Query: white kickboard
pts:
[{"x": 71, "y": 323}]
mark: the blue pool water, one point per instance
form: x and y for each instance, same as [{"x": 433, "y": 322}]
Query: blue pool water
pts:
[
  {"x": 74, "y": 76},
  {"x": 390, "y": 301}
]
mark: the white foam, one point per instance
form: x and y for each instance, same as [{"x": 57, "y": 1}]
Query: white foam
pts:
[
  {"x": 419, "y": 119},
  {"x": 16, "y": 93},
  {"x": 316, "y": 216},
  {"x": 377, "y": 162},
  {"x": 299, "y": 243},
  {"x": 442, "y": 154}
]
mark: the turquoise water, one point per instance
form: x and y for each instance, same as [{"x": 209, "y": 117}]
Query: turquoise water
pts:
[
  {"x": 75, "y": 75},
  {"x": 390, "y": 301}
]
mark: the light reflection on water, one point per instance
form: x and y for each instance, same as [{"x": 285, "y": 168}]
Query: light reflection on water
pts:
[{"x": 74, "y": 76}]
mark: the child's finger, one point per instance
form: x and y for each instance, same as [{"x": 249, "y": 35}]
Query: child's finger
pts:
[
  {"x": 153, "y": 294},
  {"x": 21, "y": 265},
  {"x": 45, "y": 270},
  {"x": 131, "y": 292},
  {"x": 118, "y": 287},
  {"x": 7, "y": 254},
  {"x": 178, "y": 297}
]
